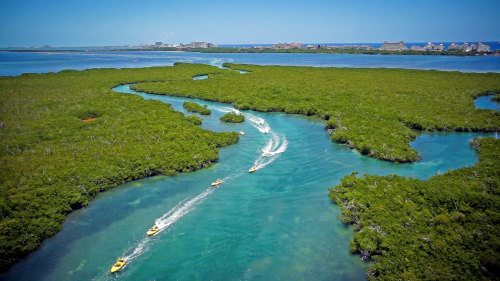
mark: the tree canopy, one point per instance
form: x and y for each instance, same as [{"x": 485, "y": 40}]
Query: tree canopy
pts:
[
  {"x": 53, "y": 162},
  {"x": 378, "y": 111},
  {"x": 444, "y": 228},
  {"x": 232, "y": 117}
]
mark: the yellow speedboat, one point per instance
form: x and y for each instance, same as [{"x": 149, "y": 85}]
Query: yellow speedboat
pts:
[
  {"x": 217, "y": 182},
  {"x": 118, "y": 265},
  {"x": 253, "y": 169},
  {"x": 153, "y": 230}
]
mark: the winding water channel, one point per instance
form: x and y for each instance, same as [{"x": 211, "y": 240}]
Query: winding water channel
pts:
[{"x": 276, "y": 223}]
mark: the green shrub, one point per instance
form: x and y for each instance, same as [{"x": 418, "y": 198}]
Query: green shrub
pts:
[
  {"x": 444, "y": 228},
  {"x": 194, "y": 107},
  {"x": 232, "y": 117}
]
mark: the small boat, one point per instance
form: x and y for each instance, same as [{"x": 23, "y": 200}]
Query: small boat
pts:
[
  {"x": 118, "y": 265},
  {"x": 217, "y": 182},
  {"x": 242, "y": 133},
  {"x": 266, "y": 154},
  {"x": 253, "y": 169},
  {"x": 261, "y": 122},
  {"x": 153, "y": 230}
]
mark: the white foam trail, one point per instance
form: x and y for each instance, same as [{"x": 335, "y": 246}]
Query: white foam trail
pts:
[
  {"x": 227, "y": 109},
  {"x": 169, "y": 218},
  {"x": 177, "y": 212},
  {"x": 275, "y": 146},
  {"x": 258, "y": 123}
]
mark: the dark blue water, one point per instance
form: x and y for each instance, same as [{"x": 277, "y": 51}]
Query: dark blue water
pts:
[
  {"x": 16, "y": 63},
  {"x": 485, "y": 102}
]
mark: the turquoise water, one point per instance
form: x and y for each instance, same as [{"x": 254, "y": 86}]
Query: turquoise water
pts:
[
  {"x": 485, "y": 102},
  {"x": 276, "y": 223},
  {"x": 200, "y": 77}
]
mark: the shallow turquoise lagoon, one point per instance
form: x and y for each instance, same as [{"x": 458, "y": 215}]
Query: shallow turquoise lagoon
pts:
[{"x": 276, "y": 223}]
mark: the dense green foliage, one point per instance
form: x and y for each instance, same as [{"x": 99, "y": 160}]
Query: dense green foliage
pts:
[
  {"x": 194, "y": 107},
  {"x": 374, "y": 110},
  {"x": 444, "y": 228},
  {"x": 194, "y": 119},
  {"x": 52, "y": 162},
  {"x": 232, "y": 117}
]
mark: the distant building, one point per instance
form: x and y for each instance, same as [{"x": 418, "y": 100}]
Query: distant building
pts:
[
  {"x": 483, "y": 48},
  {"x": 365, "y": 47},
  {"x": 466, "y": 47},
  {"x": 158, "y": 43},
  {"x": 431, "y": 47},
  {"x": 293, "y": 45},
  {"x": 211, "y": 45},
  {"x": 199, "y": 44},
  {"x": 454, "y": 47},
  {"x": 281, "y": 46},
  {"x": 397, "y": 46},
  {"x": 417, "y": 48}
]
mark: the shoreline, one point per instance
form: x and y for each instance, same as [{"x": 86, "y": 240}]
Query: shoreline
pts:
[{"x": 225, "y": 50}]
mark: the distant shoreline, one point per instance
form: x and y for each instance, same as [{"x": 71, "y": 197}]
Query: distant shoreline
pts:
[{"x": 230, "y": 50}]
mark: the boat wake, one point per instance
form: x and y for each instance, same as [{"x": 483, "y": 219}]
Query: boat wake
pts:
[
  {"x": 259, "y": 123},
  {"x": 177, "y": 212},
  {"x": 163, "y": 223},
  {"x": 275, "y": 146}
]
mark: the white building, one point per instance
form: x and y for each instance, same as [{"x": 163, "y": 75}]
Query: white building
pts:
[
  {"x": 483, "y": 48},
  {"x": 466, "y": 47},
  {"x": 393, "y": 46},
  {"x": 431, "y": 47},
  {"x": 199, "y": 45}
]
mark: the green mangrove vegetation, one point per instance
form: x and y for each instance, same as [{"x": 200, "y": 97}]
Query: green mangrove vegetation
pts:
[
  {"x": 444, "y": 228},
  {"x": 232, "y": 117},
  {"x": 67, "y": 136},
  {"x": 197, "y": 108},
  {"x": 53, "y": 162},
  {"x": 377, "y": 111}
]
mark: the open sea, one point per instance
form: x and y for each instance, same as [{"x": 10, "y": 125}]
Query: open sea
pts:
[{"x": 16, "y": 63}]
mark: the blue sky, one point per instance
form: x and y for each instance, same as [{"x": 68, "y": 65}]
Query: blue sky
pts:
[{"x": 119, "y": 22}]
